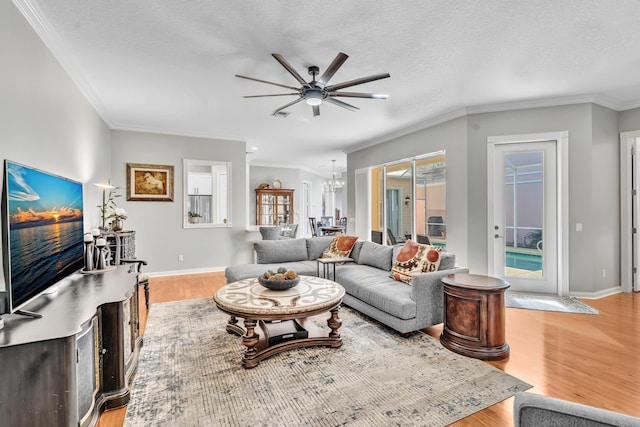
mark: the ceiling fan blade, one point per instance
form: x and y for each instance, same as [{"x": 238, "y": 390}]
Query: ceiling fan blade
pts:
[
  {"x": 331, "y": 69},
  {"x": 264, "y": 81},
  {"x": 290, "y": 69},
  {"x": 287, "y": 105},
  {"x": 359, "y": 95},
  {"x": 341, "y": 104},
  {"x": 316, "y": 110},
  {"x": 357, "y": 81},
  {"x": 275, "y": 94}
]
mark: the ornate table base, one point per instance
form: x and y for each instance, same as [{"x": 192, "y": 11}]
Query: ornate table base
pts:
[
  {"x": 256, "y": 333},
  {"x": 278, "y": 320}
]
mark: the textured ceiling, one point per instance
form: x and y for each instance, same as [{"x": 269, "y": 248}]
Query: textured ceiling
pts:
[{"x": 168, "y": 66}]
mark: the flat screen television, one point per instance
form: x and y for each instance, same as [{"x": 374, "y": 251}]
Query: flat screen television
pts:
[{"x": 42, "y": 231}]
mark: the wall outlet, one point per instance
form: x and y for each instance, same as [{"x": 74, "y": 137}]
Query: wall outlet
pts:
[
  {"x": 604, "y": 273},
  {"x": 180, "y": 258},
  {"x": 578, "y": 227}
]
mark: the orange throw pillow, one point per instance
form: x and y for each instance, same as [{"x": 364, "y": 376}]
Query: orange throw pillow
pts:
[
  {"x": 340, "y": 246},
  {"x": 415, "y": 258}
]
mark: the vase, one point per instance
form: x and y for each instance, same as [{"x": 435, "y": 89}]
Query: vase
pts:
[{"x": 117, "y": 225}]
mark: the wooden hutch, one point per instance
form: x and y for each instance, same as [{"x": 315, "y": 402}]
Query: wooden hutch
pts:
[{"x": 274, "y": 206}]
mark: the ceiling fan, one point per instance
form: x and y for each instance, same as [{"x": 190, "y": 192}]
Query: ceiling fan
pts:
[{"x": 317, "y": 91}]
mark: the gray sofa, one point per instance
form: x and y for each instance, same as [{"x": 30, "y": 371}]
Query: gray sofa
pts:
[
  {"x": 534, "y": 410},
  {"x": 369, "y": 289}
]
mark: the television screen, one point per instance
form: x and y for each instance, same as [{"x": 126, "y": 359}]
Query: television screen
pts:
[{"x": 44, "y": 226}]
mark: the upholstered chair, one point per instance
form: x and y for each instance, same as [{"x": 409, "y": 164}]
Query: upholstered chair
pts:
[{"x": 533, "y": 410}]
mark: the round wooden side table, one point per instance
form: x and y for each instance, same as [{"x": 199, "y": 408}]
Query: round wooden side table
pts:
[{"x": 474, "y": 316}]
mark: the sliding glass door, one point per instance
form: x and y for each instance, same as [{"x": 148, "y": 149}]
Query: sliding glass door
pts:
[{"x": 408, "y": 200}]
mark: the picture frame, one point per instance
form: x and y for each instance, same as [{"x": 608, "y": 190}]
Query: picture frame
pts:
[{"x": 149, "y": 183}]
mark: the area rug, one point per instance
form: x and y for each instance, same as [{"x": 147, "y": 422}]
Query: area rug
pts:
[
  {"x": 189, "y": 374},
  {"x": 547, "y": 303}
]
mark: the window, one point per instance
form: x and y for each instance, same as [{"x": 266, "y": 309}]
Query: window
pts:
[{"x": 206, "y": 194}]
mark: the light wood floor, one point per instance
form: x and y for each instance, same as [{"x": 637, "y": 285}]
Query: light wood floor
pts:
[{"x": 588, "y": 359}]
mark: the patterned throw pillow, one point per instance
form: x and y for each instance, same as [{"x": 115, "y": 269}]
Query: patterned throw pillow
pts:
[
  {"x": 415, "y": 258},
  {"x": 340, "y": 246}
]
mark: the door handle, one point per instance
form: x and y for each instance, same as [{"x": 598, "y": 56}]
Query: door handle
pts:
[{"x": 495, "y": 236}]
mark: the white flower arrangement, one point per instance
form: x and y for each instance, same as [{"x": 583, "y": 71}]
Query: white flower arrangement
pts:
[{"x": 119, "y": 214}]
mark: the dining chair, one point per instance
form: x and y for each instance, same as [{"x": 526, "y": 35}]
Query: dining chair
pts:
[
  {"x": 142, "y": 279},
  {"x": 314, "y": 226},
  {"x": 394, "y": 240}
]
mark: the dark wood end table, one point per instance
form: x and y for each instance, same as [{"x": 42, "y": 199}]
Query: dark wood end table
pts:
[{"x": 474, "y": 316}]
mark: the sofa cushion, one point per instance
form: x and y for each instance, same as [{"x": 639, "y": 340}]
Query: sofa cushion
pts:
[
  {"x": 355, "y": 251},
  {"x": 447, "y": 261},
  {"x": 234, "y": 273},
  {"x": 375, "y": 255},
  {"x": 317, "y": 245},
  {"x": 415, "y": 258},
  {"x": 340, "y": 246},
  {"x": 273, "y": 251},
  {"x": 373, "y": 286}
]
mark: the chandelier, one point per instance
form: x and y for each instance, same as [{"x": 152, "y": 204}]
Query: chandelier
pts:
[{"x": 334, "y": 184}]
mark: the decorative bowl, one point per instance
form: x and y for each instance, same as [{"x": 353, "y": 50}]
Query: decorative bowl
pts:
[{"x": 278, "y": 285}]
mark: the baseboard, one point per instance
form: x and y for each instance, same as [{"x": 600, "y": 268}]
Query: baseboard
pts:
[
  {"x": 599, "y": 294},
  {"x": 188, "y": 271}
]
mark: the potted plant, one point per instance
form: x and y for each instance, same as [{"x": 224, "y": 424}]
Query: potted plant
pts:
[
  {"x": 193, "y": 217},
  {"x": 108, "y": 206},
  {"x": 119, "y": 215}
]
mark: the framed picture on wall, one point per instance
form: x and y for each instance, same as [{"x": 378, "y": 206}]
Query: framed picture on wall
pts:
[{"x": 150, "y": 183}]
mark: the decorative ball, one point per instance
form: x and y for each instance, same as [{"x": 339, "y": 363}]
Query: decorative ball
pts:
[{"x": 283, "y": 279}]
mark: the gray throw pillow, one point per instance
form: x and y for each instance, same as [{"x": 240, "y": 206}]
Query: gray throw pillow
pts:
[
  {"x": 317, "y": 245},
  {"x": 376, "y": 255},
  {"x": 270, "y": 233},
  {"x": 447, "y": 261},
  {"x": 355, "y": 251},
  {"x": 274, "y": 251}
]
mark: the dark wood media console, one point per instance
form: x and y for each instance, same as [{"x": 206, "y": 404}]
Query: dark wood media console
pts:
[{"x": 78, "y": 359}]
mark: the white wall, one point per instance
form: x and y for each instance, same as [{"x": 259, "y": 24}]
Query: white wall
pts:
[
  {"x": 629, "y": 120},
  {"x": 45, "y": 121},
  {"x": 593, "y": 182},
  {"x": 605, "y": 200},
  {"x": 160, "y": 238}
]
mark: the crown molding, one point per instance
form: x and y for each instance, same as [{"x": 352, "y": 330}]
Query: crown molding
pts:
[
  {"x": 461, "y": 112},
  {"x": 170, "y": 132},
  {"x": 40, "y": 25},
  {"x": 494, "y": 108},
  {"x": 285, "y": 166},
  {"x": 630, "y": 105}
]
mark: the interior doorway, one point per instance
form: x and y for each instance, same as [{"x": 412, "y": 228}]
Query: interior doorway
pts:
[{"x": 630, "y": 210}]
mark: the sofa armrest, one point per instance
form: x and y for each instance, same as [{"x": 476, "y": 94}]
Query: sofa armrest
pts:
[
  {"x": 530, "y": 409},
  {"x": 426, "y": 291}
]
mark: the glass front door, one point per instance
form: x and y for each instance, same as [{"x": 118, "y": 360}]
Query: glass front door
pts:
[{"x": 525, "y": 216}]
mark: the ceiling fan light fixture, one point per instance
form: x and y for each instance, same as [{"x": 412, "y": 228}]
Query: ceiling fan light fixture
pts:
[{"x": 314, "y": 97}]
